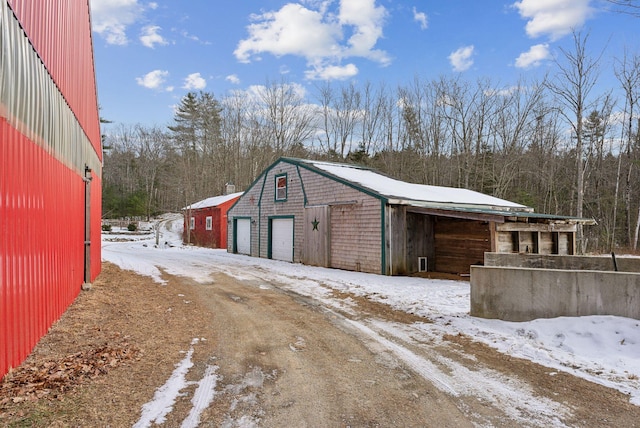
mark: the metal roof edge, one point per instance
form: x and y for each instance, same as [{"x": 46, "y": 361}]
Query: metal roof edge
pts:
[
  {"x": 458, "y": 206},
  {"x": 493, "y": 210}
]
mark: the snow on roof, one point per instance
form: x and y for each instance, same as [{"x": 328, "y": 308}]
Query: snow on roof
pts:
[
  {"x": 213, "y": 201},
  {"x": 396, "y": 189}
]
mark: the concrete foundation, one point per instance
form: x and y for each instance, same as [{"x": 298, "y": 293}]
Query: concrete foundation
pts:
[
  {"x": 537, "y": 261},
  {"x": 524, "y": 294}
]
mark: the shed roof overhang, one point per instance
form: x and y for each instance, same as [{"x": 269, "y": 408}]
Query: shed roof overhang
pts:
[{"x": 486, "y": 213}]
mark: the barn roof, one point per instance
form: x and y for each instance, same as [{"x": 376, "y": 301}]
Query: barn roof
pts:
[
  {"x": 213, "y": 201},
  {"x": 403, "y": 193}
]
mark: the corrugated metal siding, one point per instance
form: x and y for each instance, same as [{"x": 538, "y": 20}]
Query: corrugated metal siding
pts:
[
  {"x": 41, "y": 247},
  {"x": 44, "y": 148},
  {"x": 59, "y": 31}
]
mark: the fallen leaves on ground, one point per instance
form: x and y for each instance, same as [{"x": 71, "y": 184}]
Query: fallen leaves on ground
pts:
[{"x": 47, "y": 379}]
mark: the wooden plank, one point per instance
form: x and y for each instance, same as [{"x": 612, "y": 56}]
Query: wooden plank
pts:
[
  {"x": 546, "y": 244},
  {"x": 460, "y": 243},
  {"x": 535, "y": 227}
]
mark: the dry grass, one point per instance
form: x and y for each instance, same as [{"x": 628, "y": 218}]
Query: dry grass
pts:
[{"x": 106, "y": 355}]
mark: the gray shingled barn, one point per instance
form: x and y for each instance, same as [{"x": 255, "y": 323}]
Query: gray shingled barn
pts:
[{"x": 351, "y": 217}]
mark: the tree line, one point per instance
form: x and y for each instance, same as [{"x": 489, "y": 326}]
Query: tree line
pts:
[{"x": 554, "y": 144}]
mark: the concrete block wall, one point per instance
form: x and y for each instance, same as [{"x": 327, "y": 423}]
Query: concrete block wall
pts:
[
  {"x": 538, "y": 261},
  {"x": 524, "y": 294}
]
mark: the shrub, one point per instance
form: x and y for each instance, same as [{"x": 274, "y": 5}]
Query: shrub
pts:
[
  {"x": 106, "y": 228},
  {"x": 132, "y": 227}
]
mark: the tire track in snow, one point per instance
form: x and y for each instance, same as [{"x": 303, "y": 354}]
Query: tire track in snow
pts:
[
  {"x": 203, "y": 396},
  {"x": 156, "y": 410},
  {"x": 512, "y": 396}
]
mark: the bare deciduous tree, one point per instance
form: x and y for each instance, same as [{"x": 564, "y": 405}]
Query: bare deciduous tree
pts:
[
  {"x": 577, "y": 75},
  {"x": 627, "y": 71}
]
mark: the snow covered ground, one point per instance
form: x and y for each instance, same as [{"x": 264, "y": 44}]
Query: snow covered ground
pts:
[{"x": 602, "y": 349}]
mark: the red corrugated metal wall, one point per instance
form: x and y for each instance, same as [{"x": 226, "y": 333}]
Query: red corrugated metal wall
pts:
[
  {"x": 49, "y": 134},
  {"x": 41, "y": 245}
]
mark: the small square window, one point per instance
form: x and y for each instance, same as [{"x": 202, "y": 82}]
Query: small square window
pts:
[
  {"x": 209, "y": 220},
  {"x": 192, "y": 223},
  {"x": 281, "y": 187}
]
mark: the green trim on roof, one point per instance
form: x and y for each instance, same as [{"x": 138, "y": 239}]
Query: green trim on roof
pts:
[
  {"x": 383, "y": 245},
  {"x": 264, "y": 181},
  {"x": 496, "y": 212},
  {"x": 309, "y": 166},
  {"x": 304, "y": 193}
]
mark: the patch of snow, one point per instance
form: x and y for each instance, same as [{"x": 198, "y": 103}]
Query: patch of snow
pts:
[
  {"x": 390, "y": 187},
  {"x": 156, "y": 410}
]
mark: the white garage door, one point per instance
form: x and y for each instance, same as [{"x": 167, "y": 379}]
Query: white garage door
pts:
[
  {"x": 282, "y": 239},
  {"x": 243, "y": 236}
]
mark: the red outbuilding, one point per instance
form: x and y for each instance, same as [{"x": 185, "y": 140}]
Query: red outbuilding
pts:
[
  {"x": 50, "y": 168},
  {"x": 205, "y": 222}
]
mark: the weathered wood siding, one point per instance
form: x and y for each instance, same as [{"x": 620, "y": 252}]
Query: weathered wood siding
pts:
[
  {"x": 535, "y": 238},
  {"x": 460, "y": 244},
  {"x": 246, "y": 207},
  {"x": 420, "y": 241},
  {"x": 316, "y": 236},
  {"x": 355, "y": 237},
  {"x": 396, "y": 237},
  {"x": 292, "y": 206},
  {"x": 355, "y": 219}
]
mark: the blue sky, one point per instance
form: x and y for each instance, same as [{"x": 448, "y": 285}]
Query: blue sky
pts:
[{"x": 149, "y": 54}]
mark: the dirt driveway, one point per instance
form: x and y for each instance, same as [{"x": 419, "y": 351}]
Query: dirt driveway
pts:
[{"x": 233, "y": 353}]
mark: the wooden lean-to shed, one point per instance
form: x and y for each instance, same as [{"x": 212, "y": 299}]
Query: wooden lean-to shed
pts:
[
  {"x": 205, "y": 222},
  {"x": 351, "y": 217}
]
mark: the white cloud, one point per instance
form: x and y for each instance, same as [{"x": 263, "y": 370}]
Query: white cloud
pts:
[
  {"x": 332, "y": 72},
  {"x": 366, "y": 20},
  {"x": 534, "y": 56},
  {"x": 555, "y": 18},
  {"x": 461, "y": 59},
  {"x": 193, "y": 37},
  {"x": 194, "y": 81},
  {"x": 421, "y": 18},
  {"x": 153, "y": 80},
  {"x": 293, "y": 30},
  {"x": 110, "y": 18},
  {"x": 322, "y": 37},
  {"x": 233, "y": 79},
  {"x": 150, "y": 36}
]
